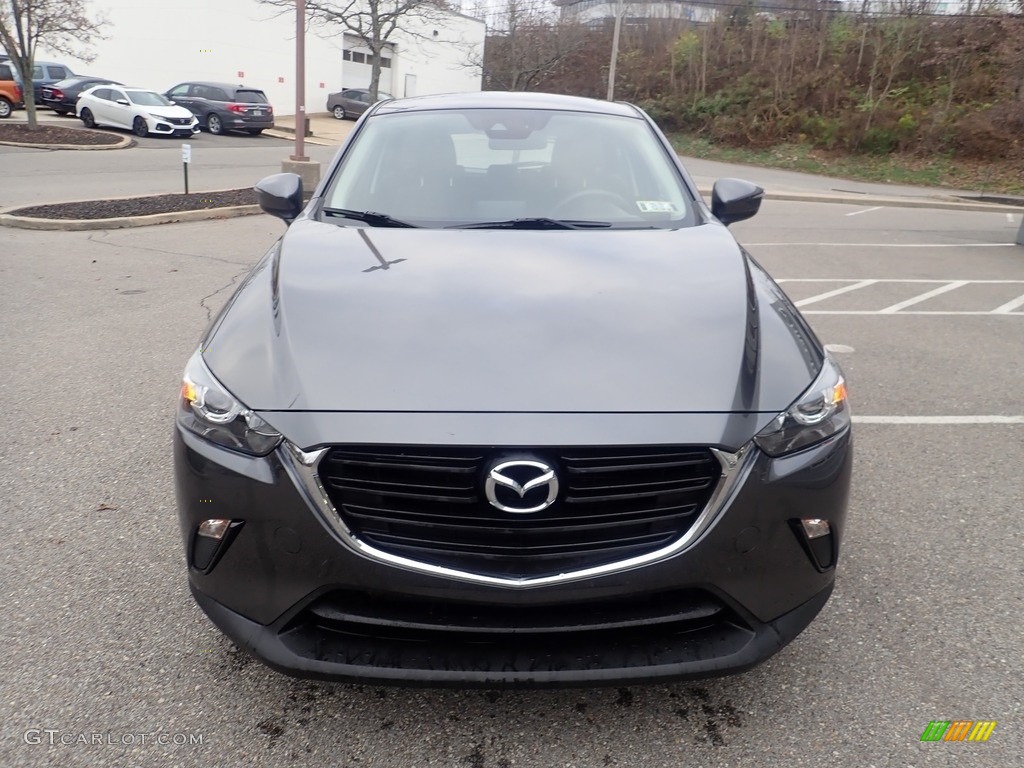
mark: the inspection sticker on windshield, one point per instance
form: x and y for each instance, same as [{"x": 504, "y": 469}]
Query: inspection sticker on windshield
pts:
[{"x": 655, "y": 206}]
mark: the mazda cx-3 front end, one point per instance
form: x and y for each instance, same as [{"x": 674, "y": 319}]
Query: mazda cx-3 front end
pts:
[{"x": 508, "y": 404}]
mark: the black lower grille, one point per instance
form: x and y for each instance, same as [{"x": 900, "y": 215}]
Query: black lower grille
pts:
[
  {"x": 374, "y": 615},
  {"x": 393, "y": 639},
  {"x": 427, "y": 503},
  {"x": 179, "y": 120}
]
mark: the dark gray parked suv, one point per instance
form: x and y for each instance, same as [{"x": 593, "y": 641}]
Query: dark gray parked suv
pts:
[{"x": 222, "y": 107}]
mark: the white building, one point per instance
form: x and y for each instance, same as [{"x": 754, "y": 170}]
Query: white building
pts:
[{"x": 157, "y": 45}]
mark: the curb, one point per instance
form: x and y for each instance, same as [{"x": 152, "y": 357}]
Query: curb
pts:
[
  {"x": 125, "y": 222},
  {"x": 939, "y": 203},
  {"x": 277, "y": 134},
  {"x": 123, "y": 142}
]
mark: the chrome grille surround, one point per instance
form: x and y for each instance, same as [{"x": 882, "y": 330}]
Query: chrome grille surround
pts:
[{"x": 303, "y": 468}]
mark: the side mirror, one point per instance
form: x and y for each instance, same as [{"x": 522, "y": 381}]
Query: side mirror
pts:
[
  {"x": 123, "y": 102},
  {"x": 734, "y": 200},
  {"x": 281, "y": 195}
]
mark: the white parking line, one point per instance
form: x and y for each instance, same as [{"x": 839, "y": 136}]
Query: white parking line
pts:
[
  {"x": 836, "y": 292},
  {"x": 938, "y": 419},
  {"x": 865, "y": 210},
  {"x": 1009, "y": 306},
  {"x": 913, "y": 312},
  {"x": 923, "y": 297},
  {"x": 886, "y": 245},
  {"x": 890, "y": 280}
]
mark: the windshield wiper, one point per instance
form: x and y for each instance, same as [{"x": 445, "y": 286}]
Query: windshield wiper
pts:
[
  {"x": 534, "y": 223},
  {"x": 372, "y": 218}
]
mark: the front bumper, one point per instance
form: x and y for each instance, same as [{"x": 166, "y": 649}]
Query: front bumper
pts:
[
  {"x": 166, "y": 128},
  {"x": 290, "y": 590}
]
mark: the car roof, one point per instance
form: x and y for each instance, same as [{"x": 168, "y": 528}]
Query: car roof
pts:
[
  {"x": 231, "y": 86},
  {"x": 507, "y": 100},
  {"x": 121, "y": 87},
  {"x": 99, "y": 80}
]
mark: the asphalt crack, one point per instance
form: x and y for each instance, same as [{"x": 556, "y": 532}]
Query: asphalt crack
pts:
[
  {"x": 97, "y": 238},
  {"x": 209, "y": 309}
]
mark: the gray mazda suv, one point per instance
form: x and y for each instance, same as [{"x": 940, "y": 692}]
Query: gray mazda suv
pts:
[{"x": 507, "y": 404}]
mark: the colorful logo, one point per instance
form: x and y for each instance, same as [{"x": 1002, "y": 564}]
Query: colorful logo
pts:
[{"x": 958, "y": 730}]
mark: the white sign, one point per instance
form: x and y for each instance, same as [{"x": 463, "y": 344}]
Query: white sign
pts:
[{"x": 186, "y": 153}]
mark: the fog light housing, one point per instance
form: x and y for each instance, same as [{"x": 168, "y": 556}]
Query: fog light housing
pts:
[
  {"x": 213, "y": 529},
  {"x": 211, "y": 540},
  {"x": 818, "y": 540},
  {"x": 813, "y": 527}
]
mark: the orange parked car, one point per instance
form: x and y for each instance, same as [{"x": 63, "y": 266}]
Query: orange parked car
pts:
[{"x": 10, "y": 91}]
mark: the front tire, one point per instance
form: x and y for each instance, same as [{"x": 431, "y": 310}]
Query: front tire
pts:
[
  {"x": 6, "y": 108},
  {"x": 214, "y": 125},
  {"x": 338, "y": 112},
  {"x": 87, "y": 119},
  {"x": 140, "y": 128}
]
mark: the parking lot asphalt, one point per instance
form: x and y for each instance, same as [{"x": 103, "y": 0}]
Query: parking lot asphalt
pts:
[
  {"x": 102, "y": 642},
  {"x": 36, "y": 176}
]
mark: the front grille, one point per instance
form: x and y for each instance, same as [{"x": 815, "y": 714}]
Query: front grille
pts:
[
  {"x": 179, "y": 120},
  {"x": 427, "y": 503}
]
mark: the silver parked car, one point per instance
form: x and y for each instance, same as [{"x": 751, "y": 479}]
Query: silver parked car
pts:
[{"x": 352, "y": 102}]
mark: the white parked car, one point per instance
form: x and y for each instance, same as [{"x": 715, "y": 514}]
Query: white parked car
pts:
[{"x": 136, "y": 109}]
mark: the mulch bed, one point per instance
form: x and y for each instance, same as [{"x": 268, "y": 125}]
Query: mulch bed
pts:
[
  {"x": 55, "y": 134},
  {"x": 139, "y": 206}
]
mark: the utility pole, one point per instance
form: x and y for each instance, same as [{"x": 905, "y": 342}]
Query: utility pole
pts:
[
  {"x": 298, "y": 163},
  {"x": 300, "y": 81},
  {"x": 615, "y": 52}
]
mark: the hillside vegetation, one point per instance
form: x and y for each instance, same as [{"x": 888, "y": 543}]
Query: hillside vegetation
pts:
[{"x": 914, "y": 85}]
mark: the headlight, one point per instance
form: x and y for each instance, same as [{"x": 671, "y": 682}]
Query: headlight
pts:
[
  {"x": 818, "y": 413},
  {"x": 210, "y": 411}
]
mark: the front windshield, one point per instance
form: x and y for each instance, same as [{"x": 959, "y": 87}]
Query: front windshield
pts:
[
  {"x": 147, "y": 99},
  {"x": 463, "y": 167}
]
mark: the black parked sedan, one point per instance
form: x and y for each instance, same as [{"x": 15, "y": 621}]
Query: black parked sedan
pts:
[
  {"x": 508, "y": 405},
  {"x": 62, "y": 97}
]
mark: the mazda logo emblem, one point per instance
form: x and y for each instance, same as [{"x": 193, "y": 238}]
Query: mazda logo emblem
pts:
[{"x": 521, "y": 477}]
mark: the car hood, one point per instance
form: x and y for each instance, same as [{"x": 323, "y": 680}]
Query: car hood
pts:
[
  {"x": 568, "y": 321},
  {"x": 174, "y": 111}
]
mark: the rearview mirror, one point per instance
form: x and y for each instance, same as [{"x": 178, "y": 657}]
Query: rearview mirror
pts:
[
  {"x": 734, "y": 200},
  {"x": 280, "y": 195}
]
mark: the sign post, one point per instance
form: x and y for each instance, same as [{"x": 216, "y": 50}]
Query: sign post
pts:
[{"x": 186, "y": 158}]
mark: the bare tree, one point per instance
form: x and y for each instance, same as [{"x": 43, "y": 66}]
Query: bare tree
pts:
[
  {"x": 373, "y": 21},
  {"x": 527, "y": 44},
  {"x": 62, "y": 26}
]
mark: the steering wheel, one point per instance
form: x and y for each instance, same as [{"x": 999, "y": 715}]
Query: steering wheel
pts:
[{"x": 614, "y": 198}]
